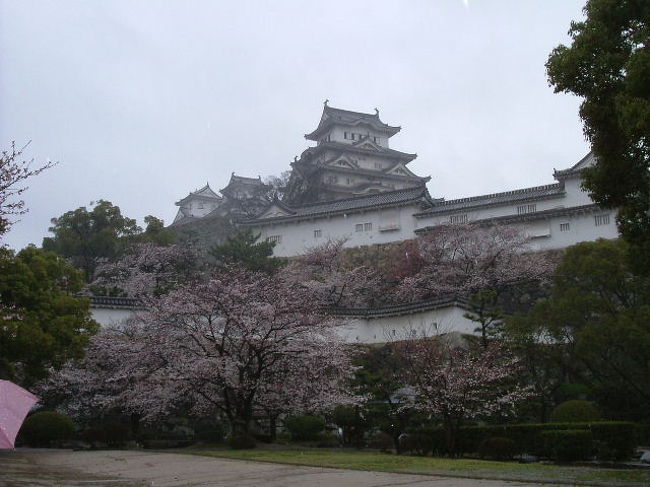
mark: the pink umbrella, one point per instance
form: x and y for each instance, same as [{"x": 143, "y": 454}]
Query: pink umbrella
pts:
[{"x": 15, "y": 403}]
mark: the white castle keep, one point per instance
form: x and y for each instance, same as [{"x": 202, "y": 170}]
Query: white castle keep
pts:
[{"x": 352, "y": 185}]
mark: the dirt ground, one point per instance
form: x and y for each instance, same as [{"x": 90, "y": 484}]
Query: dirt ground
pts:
[{"x": 67, "y": 468}]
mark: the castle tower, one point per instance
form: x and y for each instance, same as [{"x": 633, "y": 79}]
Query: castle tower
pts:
[{"x": 352, "y": 157}]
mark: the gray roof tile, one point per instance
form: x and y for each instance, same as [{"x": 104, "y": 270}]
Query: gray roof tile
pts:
[
  {"x": 495, "y": 199},
  {"x": 388, "y": 198}
]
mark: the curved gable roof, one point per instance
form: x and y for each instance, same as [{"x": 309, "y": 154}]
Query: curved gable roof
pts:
[{"x": 337, "y": 116}]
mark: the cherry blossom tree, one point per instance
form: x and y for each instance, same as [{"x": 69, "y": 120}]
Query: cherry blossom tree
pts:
[
  {"x": 456, "y": 382},
  {"x": 241, "y": 345},
  {"x": 476, "y": 262},
  {"x": 103, "y": 380},
  {"x": 13, "y": 172},
  {"x": 332, "y": 280},
  {"x": 147, "y": 269},
  {"x": 233, "y": 341}
]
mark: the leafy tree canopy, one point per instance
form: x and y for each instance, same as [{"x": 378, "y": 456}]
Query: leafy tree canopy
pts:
[
  {"x": 43, "y": 323},
  {"x": 600, "y": 311},
  {"x": 246, "y": 250},
  {"x": 608, "y": 65},
  {"x": 85, "y": 236},
  {"x": 156, "y": 233}
]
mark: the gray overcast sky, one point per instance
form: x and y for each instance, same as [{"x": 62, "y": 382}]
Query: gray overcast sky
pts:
[{"x": 143, "y": 101}]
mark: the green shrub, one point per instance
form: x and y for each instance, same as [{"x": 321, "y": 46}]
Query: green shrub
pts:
[
  {"x": 568, "y": 445},
  {"x": 328, "y": 440},
  {"x": 110, "y": 433},
  {"x": 418, "y": 442},
  {"x": 381, "y": 441},
  {"x": 497, "y": 448},
  {"x": 208, "y": 431},
  {"x": 437, "y": 438},
  {"x": 353, "y": 424},
  {"x": 575, "y": 412},
  {"x": 46, "y": 428},
  {"x": 615, "y": 440},
  {"x": 242, "y": 442},
  {"x": 304, "y": 428}
]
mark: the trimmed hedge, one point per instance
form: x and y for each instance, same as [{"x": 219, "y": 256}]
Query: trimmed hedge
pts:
[
  {"x": 46, "y": 428},
  {"x": 110, "y": 433},
  {"x": 612, "y": 440},
  {"x": 304, "y": 428},
  {"x": 575, "y": 412},
  {"x": 568, "y": 445},
  {"x": 242, "y": 442},
  {"x": 497, "y": 448}
]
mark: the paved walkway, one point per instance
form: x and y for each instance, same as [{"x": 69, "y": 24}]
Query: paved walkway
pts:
[{"x": 65, "y": 468}]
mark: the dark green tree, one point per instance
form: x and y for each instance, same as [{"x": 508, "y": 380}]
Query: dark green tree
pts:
[
  {"x": 378, "y": 379},
  {"x": 85, "y": 236},
  {"x": 245, "y": 249},
  {"x": 599, "y": 314},
  {"x": 156, "y": 233},
  {"x": 608, "y": 66},
  {"x": 544, "y": 367},
  {"x": 43, "y": 323}
]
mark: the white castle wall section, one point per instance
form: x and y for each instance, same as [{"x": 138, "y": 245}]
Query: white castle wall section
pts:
[
  {"x": 379, "y": 226},
  {"x": 575, "y": 195},
  {"x": 398, "y": 224},
  {"x": 110, "y": 316},
  {"x": 582, "y": 228},
  {"x": 391, "y": 328}
]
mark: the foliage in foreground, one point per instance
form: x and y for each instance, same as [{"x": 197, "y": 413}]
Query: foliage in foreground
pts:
[
  {"x": 13, "y": 172},
  {"x": 468, "y": 468},
  {"x": 238, "y": 345},
  {"x": 43, "y": 324},
  {"x": 456, "y": 382},
  {"x": 607, "y": 65},
  {"x": 598, "y": 317},
  {"x": 46, "y": 428}
]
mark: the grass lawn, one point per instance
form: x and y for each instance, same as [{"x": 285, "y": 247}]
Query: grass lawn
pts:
[{"x": 360, "y": 460}]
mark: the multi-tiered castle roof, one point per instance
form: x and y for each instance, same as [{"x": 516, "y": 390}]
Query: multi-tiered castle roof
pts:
[{"x": 352, "y": 157}]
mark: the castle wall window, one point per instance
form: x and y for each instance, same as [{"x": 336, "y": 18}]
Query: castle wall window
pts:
[
  {"x": 454, "y": 219},
  {"x": 332, "y": 179},
  {"x": 363, "y": 227},
  {"x": 377, "y": 165},
  {"x": 600, "y": 220},
  {"x": 565, "y": 227},
  {"x": 523, "y": 209},
  {"x": 345, "y": 135},
  {"x": 274, "y": 239},
  {"x": 349, "y": 180},
  {"x": 318, "y": 233}
]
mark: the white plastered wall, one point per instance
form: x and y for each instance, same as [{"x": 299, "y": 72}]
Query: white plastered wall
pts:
[
  {"x": 297, "y": 236},
  {"x": 110, "y": 316},
  {"x": 424, "y": 323}
]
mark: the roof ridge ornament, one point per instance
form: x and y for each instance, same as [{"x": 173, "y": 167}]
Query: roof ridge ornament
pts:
[
  {"x": 376, "y": 112},
  {"x": 326, "y": 101}
]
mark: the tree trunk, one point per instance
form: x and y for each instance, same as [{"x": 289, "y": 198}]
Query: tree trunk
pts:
[
  {"x": 273, "y": 427},
  {"x": 239, "y": 427},
  {"x": 135, "y": 425},
  {"x": 398, "y": 447}
]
